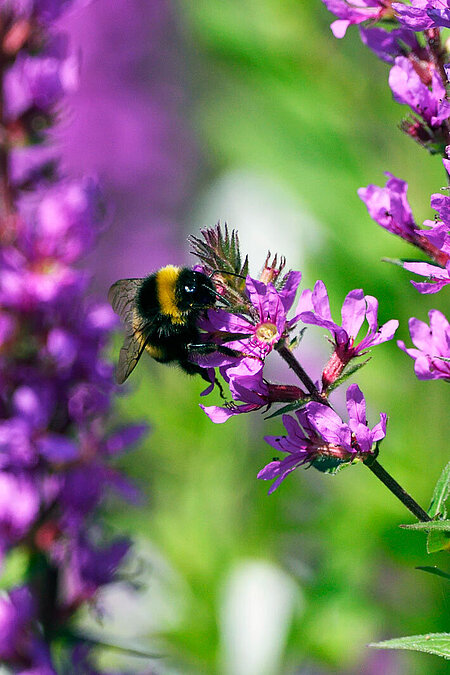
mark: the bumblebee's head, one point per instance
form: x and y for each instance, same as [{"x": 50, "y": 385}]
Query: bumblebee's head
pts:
[{"x": 194, "y": 290}]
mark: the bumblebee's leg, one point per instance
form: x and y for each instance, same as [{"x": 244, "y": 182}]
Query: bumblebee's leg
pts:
[
  {"x": 194, "y": 369},
  {"x": 211, "y": 348}
]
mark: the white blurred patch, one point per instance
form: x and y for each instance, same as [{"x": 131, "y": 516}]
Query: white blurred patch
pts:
[
  {"x": 265, "y": 214},
  {"x": 258, "y": 604}
]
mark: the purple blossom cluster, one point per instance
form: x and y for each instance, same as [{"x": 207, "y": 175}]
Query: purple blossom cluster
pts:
[
  {"x": 418, "y": 78},
  {"x": 253, "y": 323},
  {"x": 56, "y": 438},
  {"x": 318, "y": 431}
]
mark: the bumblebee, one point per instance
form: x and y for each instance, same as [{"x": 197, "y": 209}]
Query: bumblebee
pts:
[{"x": 160, "y": 313}]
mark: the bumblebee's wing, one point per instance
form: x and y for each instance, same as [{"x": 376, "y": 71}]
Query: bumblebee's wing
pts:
[
  {"x": 122, "y": 296},
  {"x": 130, "y": 353}
]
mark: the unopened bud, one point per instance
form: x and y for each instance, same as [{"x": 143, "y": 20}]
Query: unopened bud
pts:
[
  {"x": 272, "y": 269},
  {"x": 284, "y": 392}
]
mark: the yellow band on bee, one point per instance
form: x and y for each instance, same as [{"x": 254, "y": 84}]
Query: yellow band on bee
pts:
[
  {"x": 166, "y": 280},
  {"x": 155, "y": 352}
]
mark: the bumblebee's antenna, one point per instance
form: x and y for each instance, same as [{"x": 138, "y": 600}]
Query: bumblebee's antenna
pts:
[
  {"x": 221, "y": 297},
  {"x": 233, "y": 274}
]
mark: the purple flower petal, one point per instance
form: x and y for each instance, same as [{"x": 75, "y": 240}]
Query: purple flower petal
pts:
[
  {"x": 329, "y": 425},
  {"x": 57, "y": 448},
  {"x": 121, "y": 440},
  {"x": 353, "y": 312},
  {"x": 288, "y": 291},
  {"x": 356, "y": 404}
]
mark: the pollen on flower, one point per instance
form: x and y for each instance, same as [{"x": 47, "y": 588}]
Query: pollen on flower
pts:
[{"x": 266, "y": 332}]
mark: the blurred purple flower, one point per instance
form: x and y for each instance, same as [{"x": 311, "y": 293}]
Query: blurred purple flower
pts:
[
  {"x": 19, "y": 644},
  {"x": 423, "y": 14},
  {"x": 20, "y": 503},
  {"x": 388, "y": 45},
  {"x": 432, "y": 353},
  {"x": 133, "y": 51},
  {"x": 437, "y": 240},
  {"x": 437, "y": 276},
  {"x": 409, "y": 88},
  {"x": 354, "y": 12},
  {"x": 85, "y": 567},
  {"x": 320, "y": 432},
  {"x": 40, "y": 81},
  {"x": 389, "y": 207},
  {"x": 46, "y": 11},
  {"x": 16, "y": 611},
  {"x": 56, "y": 388}
]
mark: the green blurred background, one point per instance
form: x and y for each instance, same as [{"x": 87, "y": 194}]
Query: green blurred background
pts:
[{"x": 289, "y": 122}]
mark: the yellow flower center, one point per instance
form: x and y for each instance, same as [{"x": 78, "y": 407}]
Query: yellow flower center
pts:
[{"x": 266, "y": 332}]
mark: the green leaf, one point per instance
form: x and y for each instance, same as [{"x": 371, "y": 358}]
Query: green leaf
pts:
[
  {"x": 393, "y": 261},
  {"x": 440, "y": 494},
  {"x": 331, "y": 465},
  {"x": 295, "y": 405},
  {"x": 438, "y": 540},
  {"x": 432, "y": 643},
  {"x": 430, "y": 526},
  {"x": 294, "y": 343},
  {"x": 438, "y": 534},
  {"x": 348, "y": 372},
  {"x": 218, "y": 250},
  {"x": 434, "y": 570}
]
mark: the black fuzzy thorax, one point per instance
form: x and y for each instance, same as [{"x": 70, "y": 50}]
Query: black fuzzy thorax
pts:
[{"x": 170, "y": 339}]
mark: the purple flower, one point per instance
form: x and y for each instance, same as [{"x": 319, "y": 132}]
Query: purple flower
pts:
[
  {"x": 45, "y": 11},
  {"x": 388, "y": 45},
  {"x": 320, "y": 432},
  {"x": 354, "y": 12},
  {"x": 21, "y": 645},
  {"x": 254, "y": 393},
  {"x": 60, "y": 222},
  {"x": 423, "y": 14},
  {"x": 436, "y": 240},
  {"x": 389, "y": 207},
  {"x": 438, "y": 277},
  {"x": 40, "y": 81},
  {"x": 314, "y": 308},
  {"x": 432, "y": 356},
  {"x": 20, "y": 503},
  {"x": 16, "y": 612},
  {"x": 86, "y": 567},
  {"x": 256, "y": 334},
  {"x": 56, "y": 387},
  {"x": 409, "y": 88}
]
